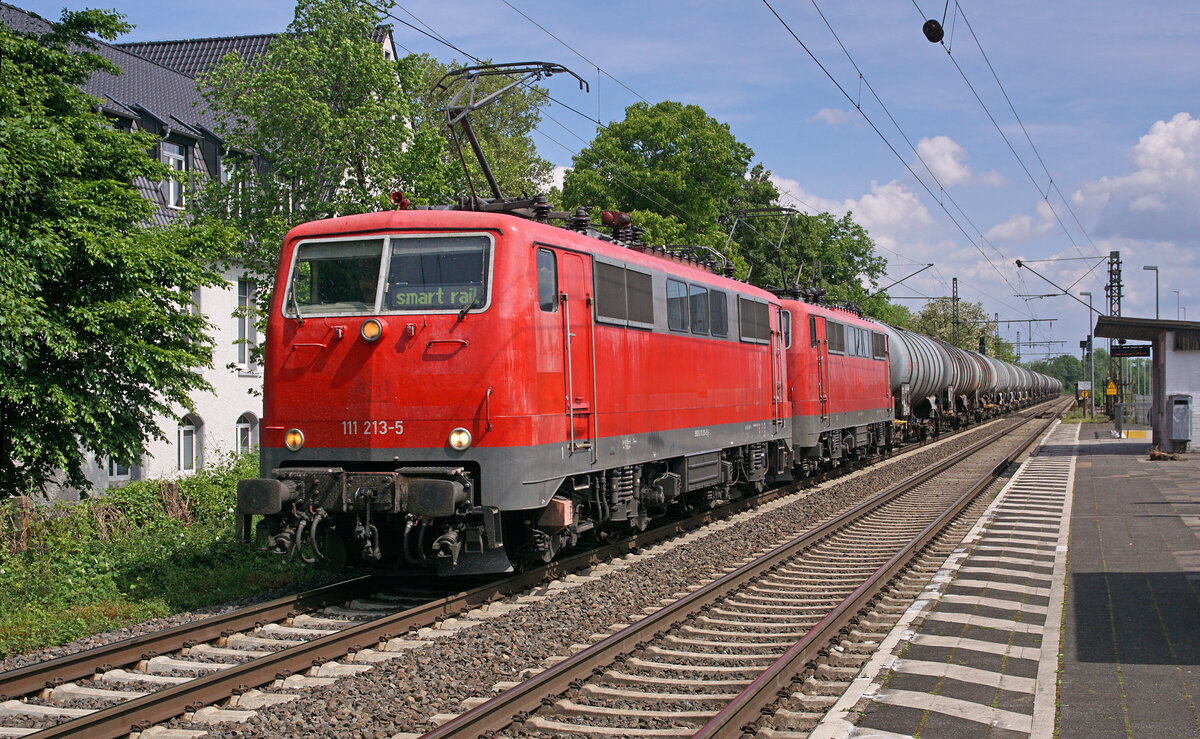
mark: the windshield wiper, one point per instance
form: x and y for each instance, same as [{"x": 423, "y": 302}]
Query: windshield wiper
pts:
[
  {"x": 467, "y": 308},
  {"x": 296, "y": 306}
]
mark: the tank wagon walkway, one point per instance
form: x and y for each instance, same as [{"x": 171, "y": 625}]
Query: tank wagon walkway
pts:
[{"x": 1116, "y": 594}]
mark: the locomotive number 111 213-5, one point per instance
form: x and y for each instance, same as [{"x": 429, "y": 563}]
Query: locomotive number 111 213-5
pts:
[{"x": 372, "y": 428}]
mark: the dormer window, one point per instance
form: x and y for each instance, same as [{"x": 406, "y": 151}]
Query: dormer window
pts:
[{"x": 175, "y": 157}]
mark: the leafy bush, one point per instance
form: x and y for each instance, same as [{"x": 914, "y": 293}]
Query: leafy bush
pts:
[{"x": 148, "y": 549}]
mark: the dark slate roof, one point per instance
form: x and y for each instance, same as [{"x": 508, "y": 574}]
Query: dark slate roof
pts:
[
  {"x": 194, "y": 57},
  {"x": 142, "y": 87}
]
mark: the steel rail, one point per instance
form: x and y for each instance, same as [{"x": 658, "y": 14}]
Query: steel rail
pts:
[
  {"x": 499, "y": 712},
  {"x": 162, "y": 705},
  {"x": 32, "y": 678},
  {"x": 744, "y": 710}
]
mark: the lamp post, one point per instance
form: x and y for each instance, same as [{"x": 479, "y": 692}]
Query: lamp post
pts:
[
  {"x": 1091, "y": 360},
  {"x": 1154, "y": 268},
  {"x": 1176, "y": 304}
]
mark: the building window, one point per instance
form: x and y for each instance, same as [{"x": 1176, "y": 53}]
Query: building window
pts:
[
  {"x": 189, "y": 444},
  {"x": 247, "y": 433},
  {"x": 247, "y": 336},
  {"x": 175, "y": 157},
  {"x": 118, "y": 471}
]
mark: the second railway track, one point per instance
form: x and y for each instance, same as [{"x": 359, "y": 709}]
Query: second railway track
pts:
[{"x": 708, "y": 663}]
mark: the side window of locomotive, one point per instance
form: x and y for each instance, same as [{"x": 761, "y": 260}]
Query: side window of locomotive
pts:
[
  {"x": 787, "y": 329},
  {"x": 677, "y": 305},
  {"x": 718, "y": 311},
  {"x": 333, "y": 277},
  {"x": 878, "y": 345},
  {"x": 753, "y": 322},
  {"x": 624, "y": 296},
  {"x": 610, "y": 293},
  {"x": 698, "y": 303},
  {"x": 835, "y": 334},
  {"x": 812, "y": 331},
  {"x": 547, "y": 280},
  {"x": 639, "y": 288},
  {"x": 438, "y": 273}
]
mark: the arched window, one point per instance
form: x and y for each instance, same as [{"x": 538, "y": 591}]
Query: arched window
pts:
[
  {"x": 189, "y": 436},
  {"x": 247, "y": 432}
]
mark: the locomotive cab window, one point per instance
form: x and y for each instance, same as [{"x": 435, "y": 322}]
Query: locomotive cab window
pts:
[
  {"x": 424, "y": 274},
  {"x": 432, "y": 273},
  {"x": 547, "y": 280},
  {"x": 336, "y": 277},
  {"x": 787, "y": 329}
]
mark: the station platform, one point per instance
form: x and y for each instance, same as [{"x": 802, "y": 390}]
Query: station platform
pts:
[{"x": 1072, "y": 609}]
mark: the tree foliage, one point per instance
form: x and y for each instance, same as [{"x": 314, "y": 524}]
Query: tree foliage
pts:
[
  {"x": 503, "y": 128},
  {"x": 97, "y": 335},
  {"x": 321, "y": 124},
  {"x": 1066, "y": 368},
  {"x": 671, "y": 166},
  {"x": 685, "y": 178}
]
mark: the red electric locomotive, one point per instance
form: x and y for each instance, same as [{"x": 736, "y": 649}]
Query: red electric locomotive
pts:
[
  {"x": 463, "y": 390},
  {"x": 838, "y": 383}
]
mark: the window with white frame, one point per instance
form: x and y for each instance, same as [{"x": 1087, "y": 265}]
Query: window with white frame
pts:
[
  {"x": 247, "y": 336},
  {"x": 247, "y": 432},
  {"x": 175, "y": 157},
  {"x": 189, "y": 444}
]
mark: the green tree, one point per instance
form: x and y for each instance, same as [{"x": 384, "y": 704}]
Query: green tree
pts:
[
  {"x": 1066, "y": 368},
  {"x": 97, "y": 335},
  {"x": 671, "y": 166},
  {"x": 503, "y": 128},
  {"x": 321, "y": 123}
]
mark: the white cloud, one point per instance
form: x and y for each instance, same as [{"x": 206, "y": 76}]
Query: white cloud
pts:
[
  {"x": 557, "y": 176},
  {"x": 1160, "y": 199},
  {"x": 947, "y": 160},
  {"x": 1021, "y": 227},
  {"x": 833, "y": 116}
]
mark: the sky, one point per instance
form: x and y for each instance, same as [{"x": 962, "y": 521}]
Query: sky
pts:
[{"x": 1054, "y": 133}]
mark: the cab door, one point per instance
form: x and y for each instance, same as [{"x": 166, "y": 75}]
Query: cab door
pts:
[{"x": 579, "y": 341}]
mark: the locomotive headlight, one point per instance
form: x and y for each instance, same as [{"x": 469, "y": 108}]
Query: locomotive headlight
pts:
[
  {"x": 294, "y": 439},
  {"x": 371, "y": 329},
  {"x": 460, "y": 439}
]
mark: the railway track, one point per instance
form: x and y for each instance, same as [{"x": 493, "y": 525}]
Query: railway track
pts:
[
  {"x": 307, "y": 639},
  {"x": 710, "y": 663}
]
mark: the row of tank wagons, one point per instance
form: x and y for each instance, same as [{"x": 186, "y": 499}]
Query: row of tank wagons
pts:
[{"x": 937, "y": 385}]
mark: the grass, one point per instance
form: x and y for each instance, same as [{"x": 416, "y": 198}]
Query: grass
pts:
[
  {"x": 1080, "y": 415},
  {"x": 145, "y": 550}
]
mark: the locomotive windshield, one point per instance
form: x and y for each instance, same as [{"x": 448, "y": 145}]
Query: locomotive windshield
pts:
[
  {"x": 422, "y": 274},
  {"x": 437, "y": 273}
]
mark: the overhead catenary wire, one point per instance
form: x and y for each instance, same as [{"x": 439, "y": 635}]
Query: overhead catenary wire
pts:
[
  {"x": 887, "y": 142},
  {"x": 431, "y": 33},
  {"x": 1050, "y": 178}
]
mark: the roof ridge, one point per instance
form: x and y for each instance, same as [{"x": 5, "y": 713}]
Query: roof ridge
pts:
[{"x": 205, "y": 38}]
